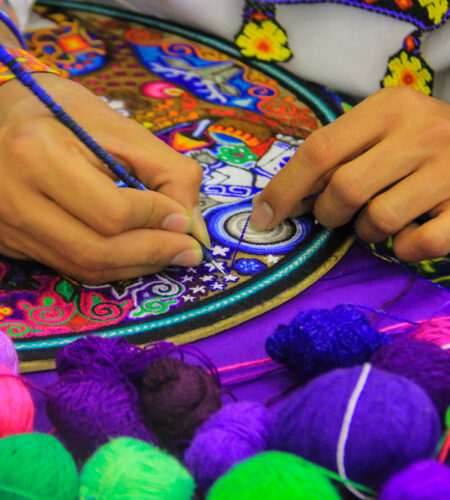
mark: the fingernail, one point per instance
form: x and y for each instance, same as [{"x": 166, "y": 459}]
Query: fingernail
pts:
[
  {"x": 188, "y": 258},
  {"x": 177, "y": 223},
  {"x": 200, "y": 231},
  {"x": 262, "y": 216}
]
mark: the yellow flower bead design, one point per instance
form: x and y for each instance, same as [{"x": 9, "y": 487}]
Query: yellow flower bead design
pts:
[
  {"x": 436, "y": 9},
  {"x": 265, "y": 41},
  {"x": 405, "y": 69}
]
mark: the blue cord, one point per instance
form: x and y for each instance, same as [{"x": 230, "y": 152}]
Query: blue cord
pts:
[
  {"x": 115, "y": 167},
  {"x": 27, "y": 80}
]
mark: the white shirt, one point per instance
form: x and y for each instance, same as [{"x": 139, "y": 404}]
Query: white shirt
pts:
[{"x": 343, "y": 47}]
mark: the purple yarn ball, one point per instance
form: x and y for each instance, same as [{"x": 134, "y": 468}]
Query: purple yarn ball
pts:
[
  {"x": 90, "y": 408},
  {"x": 426, "y": 364},
  {"x": 236, "y": 432},
  {"x": 8, "y": 354},
  {"x": 90, "y": 351},
  {"x": 394, "y": 423},
  {"x": 320, "y": 340},
  {"x": 425, "y": 480}
]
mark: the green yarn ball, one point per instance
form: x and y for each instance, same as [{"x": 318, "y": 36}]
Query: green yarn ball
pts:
[
  {"x": 130, "y": 469},
  {"x": 273, "y": 475},
  {"x": 36, "y": 467}
]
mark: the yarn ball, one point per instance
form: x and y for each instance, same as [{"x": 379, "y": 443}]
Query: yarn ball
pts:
[
  {"x": 177, "y": 397},
  {"x": 273, "y": 476},
  {"x": 393, "y": 423},
  {"x": 130, "y": 469},
  {"x": 425, "y": 480},
  {"x": 436, "y": 331},
  {"x": 236, "y": 432},
  {"x": 16, "y": 406},
  {"x": 88, "y": 409},
  {"x": 8, "y": 354},
  {"x": 426, "y": 364},
  {"x": 319, "y": 340},
  {"x": 36, "y": 467},
  {"x": 94, "y": 352}
]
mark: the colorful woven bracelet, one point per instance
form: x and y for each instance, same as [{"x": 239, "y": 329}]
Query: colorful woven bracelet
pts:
[
  {"x": 8, "y": 17},
  {"x": 27, "y": 62}
]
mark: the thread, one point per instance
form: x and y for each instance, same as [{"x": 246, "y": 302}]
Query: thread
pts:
[
  {"x": 89, "y": 408},
  {"x": 273, "y": 476},
  {"x": 16, "y": 406},
  {"x": 8, "y": 354},
  {"x": 36, "y": 467},
  {"x": 425, "y": 480},
  {"x": 176, "y": 398},
  {"x": 130, "y": 469},
  {"x": 426, "y": 364},
  {"x": 391, "y": 423},
  {"x": 319, "y": 340},
  {"x": 236, "y": 432}
]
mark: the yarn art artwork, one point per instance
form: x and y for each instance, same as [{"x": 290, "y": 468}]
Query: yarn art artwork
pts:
[
  {"x": 241, "y": 121},
  {"x": 263, "y": 38}
]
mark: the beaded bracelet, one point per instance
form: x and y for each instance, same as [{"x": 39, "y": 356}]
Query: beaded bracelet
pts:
[{"x": 27, "y": 62}]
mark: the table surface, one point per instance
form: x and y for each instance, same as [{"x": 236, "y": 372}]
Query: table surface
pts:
[{"x": 359, "y": 279}]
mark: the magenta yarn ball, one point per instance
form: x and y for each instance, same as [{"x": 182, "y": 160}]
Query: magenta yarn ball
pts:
[
  {"x": 426, "y": 364},
  {"x": 236, "y": 432},
  {"x": 88, "y": 409},
  {"x": 8, "y": 354},
  {"x": 363, "y": 421},
  {"x": 436, "y": 331},
  {"x": 425, "y": 480}
]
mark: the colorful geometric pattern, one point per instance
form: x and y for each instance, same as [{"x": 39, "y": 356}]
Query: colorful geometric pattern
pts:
[{"x": 242, "y": 123}]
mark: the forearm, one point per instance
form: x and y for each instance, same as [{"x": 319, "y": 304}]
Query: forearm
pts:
[{"x": 9, "y": 29}]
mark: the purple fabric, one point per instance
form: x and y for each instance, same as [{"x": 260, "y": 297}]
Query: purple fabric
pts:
[{"x": 359, "y": 278}]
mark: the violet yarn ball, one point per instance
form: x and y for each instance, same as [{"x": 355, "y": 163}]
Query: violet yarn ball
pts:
[
  {"x": 176, "y": 398},
  {"x": 236, "y": 432},
  {"x": 89, "y": 409},
  {"x": 426, "y": 364},
  {"x": 362, "y": 419},
  {"x": 320, "y": 340},
  {"x": 93, "y": 352},
  {"x": 425, "y": 480},
  {"x": 8, "y": 354}
]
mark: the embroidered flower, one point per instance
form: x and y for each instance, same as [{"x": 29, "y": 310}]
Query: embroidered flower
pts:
[
  {"x": 436, "y": 9},
  {"x": 5, "y": 311},
  {"x": 236, "y": 156},
  {"x": 405, "y": 69},
  {"x": 265, "y": 41}
]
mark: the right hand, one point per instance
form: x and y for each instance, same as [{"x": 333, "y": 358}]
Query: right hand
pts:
[{"x": 59, "y": 204}]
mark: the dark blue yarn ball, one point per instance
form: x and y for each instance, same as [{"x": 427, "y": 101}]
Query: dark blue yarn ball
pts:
[{"x": 320, "y": 340}]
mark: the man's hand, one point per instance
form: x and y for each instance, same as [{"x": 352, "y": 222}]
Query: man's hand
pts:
[
  {"x": 391, "y": 152},
  {"x": 59, "y": 204}
]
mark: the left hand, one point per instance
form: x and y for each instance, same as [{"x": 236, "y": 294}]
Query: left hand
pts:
[{"x": 391, "y": 152}]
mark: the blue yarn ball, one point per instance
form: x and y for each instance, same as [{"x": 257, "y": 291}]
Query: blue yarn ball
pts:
[
  {"x": 320, "y": 340},
  {"x": 393, "y": 423}
]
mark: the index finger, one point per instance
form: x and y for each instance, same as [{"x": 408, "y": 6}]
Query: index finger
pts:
[{"x": 308, "y": 171}]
